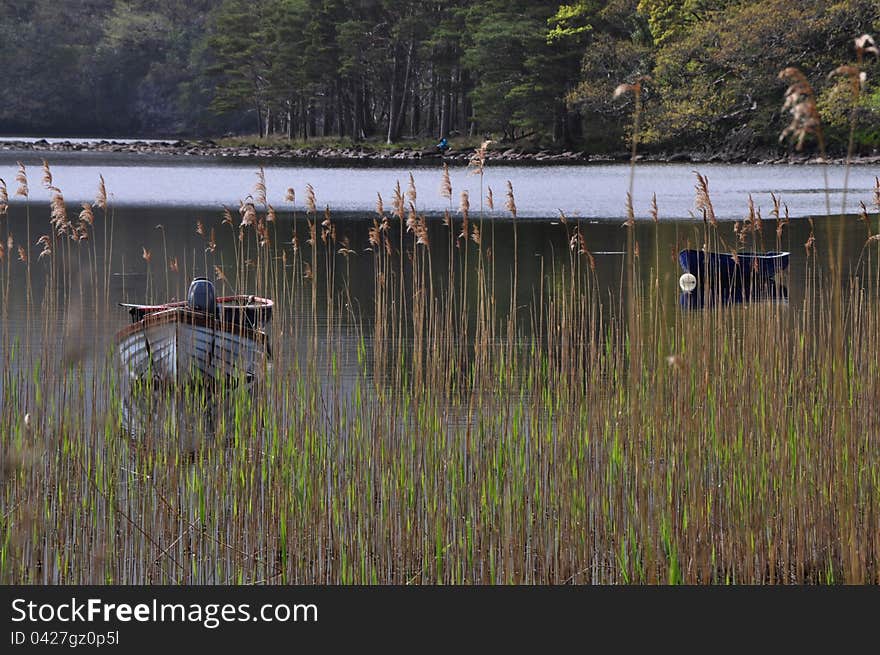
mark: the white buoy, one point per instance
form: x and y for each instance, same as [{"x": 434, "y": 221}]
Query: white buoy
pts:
[{"x": 687, "y": 282}]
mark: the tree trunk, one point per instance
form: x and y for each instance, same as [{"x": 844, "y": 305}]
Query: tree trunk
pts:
[
  {"x": 357, "y": 128},
  {"x": 401, "y": 113},
  {"x": 415, "y": 123},
  {"x": 454, "y": 121},
  {"x": 444, "y": 110},
  {"x": 289, "y": 119},
  {"x": 432, "y": 99},
  {"x": 325, "y": 118},
  {"x": 341, "y": 105},
  {"x": 369, "y": 117},
  {"x": 391, "y": 101},
  {"x": 467, "y": 109},
  {"x": 259, "y": 118}
]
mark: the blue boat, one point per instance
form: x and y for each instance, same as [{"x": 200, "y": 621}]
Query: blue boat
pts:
[{"x": 732, "y": 269}]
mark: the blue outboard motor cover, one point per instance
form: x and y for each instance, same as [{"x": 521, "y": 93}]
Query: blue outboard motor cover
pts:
[{"x": 201, "y": 296}]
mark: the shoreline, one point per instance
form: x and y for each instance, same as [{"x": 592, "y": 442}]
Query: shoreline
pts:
[{"x": 369, "y": 156}]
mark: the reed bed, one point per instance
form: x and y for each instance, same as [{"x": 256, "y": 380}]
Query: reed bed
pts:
[{"x": 448, "y": 420}]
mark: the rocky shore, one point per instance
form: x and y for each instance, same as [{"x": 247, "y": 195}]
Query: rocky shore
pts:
[{"x": 367, "y": 155}]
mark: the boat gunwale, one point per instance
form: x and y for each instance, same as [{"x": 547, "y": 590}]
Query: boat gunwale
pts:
[
  {"x": 183, "y": 316},
  {"x": 257, "y": 302}
]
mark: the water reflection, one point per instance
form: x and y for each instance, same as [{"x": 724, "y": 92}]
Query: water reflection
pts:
[
  {"x": 707, "y": 295},
  {"x": 191, "y": 415}
]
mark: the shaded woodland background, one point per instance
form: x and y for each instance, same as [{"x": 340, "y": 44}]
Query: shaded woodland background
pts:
[{"x": 525, "y": 72}]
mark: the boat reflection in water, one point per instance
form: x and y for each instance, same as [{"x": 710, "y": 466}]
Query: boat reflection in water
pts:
[
  {"x": 188, "y": 416},
  {"x": 703, "y": 296}
]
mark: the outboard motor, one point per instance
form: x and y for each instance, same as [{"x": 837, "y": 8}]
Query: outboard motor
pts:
[{"x": 201, "y": 297}]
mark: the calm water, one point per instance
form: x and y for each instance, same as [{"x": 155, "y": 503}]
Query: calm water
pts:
[
  {"x": 158, "y": 202},
  {"x": 590, "y": 191}
]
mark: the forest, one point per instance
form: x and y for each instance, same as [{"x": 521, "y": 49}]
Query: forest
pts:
[{"x": 385, "y": 71}]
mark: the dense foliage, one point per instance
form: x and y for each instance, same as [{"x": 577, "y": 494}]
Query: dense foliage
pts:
[{"x": 521, "y": 70}]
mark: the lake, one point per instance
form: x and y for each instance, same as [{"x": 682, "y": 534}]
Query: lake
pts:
[
  {"x": 588, "y": 191},
  {"x": 157, "y": 202}
]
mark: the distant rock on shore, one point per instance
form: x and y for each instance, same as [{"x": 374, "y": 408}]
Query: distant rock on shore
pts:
[{"x": 394, "y": 156}]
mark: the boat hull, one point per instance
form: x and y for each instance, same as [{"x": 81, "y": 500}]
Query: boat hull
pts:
[
  {"x": 180, "y": 346},
  {"x": 732, "y": 269}
]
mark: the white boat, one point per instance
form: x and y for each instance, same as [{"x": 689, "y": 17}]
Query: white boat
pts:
[{"x": 200, "y": 340}]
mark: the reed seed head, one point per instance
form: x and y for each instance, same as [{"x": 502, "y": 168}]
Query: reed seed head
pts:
[
  {"x": 635, "y": 87},
  {"x": 464, "y": 207},
  {"x": 703, "y": 202},
  {"x": 47, "y": 175},
  {"x": 397, "y": 202},
  {"x": 248, "y": 213},
  {"x": 373, "y": 234},
  {"x": 59, "y": 218},
  {"x": 45, "y": 242},
  {"x": 630, "y": 212},
  {"x": 311, "y": 207},
  {"x": 478, "y": 160},
  {"x": 857, "y": 78},
  {"x": 411, "y": 190},
  {"x": 446, "y": 183},
  {"x": 865, "y": 45},
  {"x": 86, "y": 215},
  {"x": 21, "y": 180},
  {"x": 800, "y": 101},
  {"x": 421, "y": 231},
  {"x": 260, "y": 187},
  {"x": 810, "y": 244},
  {"x": 101, "y": 197},
  {"x": 510, "y": 203},
  {"x": 411, "y": 218}
]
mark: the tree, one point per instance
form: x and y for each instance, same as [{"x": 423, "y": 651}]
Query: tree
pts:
[{"x": 241, "y": 61}]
